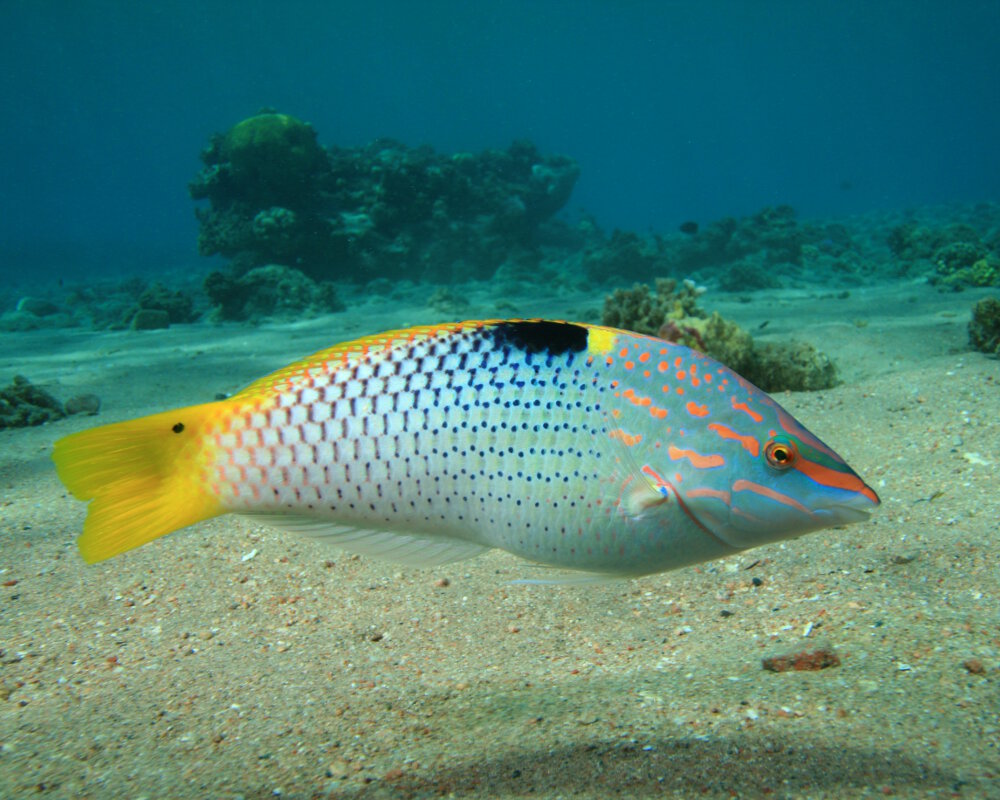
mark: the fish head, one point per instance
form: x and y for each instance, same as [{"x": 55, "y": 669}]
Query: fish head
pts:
[
  {"x": 742, "y": 469},
  {"x": 790, "y": 484},
  {"x": 761, "y": 476}
]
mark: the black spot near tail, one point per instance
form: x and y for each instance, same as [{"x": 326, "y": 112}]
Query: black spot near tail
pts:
[{"x": 542, "y": 336}]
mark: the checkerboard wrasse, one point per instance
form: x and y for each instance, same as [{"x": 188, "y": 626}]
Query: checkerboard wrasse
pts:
[{"x": 575, "y": 446}]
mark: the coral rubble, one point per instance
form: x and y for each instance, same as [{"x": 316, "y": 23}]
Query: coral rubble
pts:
[
  {"x": 984, "y": 328},
  {"x": 23, "y": 404}
]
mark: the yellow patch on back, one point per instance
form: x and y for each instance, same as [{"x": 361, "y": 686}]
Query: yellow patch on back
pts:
[{"x": 601, "y": 340}]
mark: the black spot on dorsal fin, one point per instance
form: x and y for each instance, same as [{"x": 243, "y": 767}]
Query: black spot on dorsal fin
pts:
[{"x": 542, "y": 336}]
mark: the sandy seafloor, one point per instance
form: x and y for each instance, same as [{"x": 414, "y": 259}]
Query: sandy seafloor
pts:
[{"x": 188, "y": 669}]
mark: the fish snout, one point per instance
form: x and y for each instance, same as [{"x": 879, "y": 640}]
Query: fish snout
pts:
[{"x": 857, "y": 506}]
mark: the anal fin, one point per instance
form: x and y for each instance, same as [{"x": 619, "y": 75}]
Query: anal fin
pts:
[{"x": 403, "y": 547}]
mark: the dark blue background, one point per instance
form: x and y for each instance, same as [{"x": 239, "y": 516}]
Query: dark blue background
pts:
[{"x": 674, "y": 110}]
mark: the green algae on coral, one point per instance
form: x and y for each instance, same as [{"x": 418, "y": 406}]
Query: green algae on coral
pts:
[
  {"x": 643, "y": 311},
  {"x": 982, "y": 272},
  {"x": 273, "y": 156}
]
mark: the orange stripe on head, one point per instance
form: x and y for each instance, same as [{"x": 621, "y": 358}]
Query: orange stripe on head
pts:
[
  {"x": 747, "y": 410},
  {"x": 716, "y": 494},
  {"x": 825, "y": 476},
  {"x": 697, "y": 459},
  {"x": 766, "y": 491},
  {"x": 750, "y": 444}
]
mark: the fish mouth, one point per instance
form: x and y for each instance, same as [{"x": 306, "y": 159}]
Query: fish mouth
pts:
[
  {"x": 857, "y": 508},
  {"x": 845, "y": 514},
  {"x": 745, "y": 529}
]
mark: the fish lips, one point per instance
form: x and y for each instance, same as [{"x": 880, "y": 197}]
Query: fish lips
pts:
[{"x": 746, "y": 528}]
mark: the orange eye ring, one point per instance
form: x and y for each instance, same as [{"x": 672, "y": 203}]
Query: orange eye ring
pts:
[{"x": 781, "y": 452}]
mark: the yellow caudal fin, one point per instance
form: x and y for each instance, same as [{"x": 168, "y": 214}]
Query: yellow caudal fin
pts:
[{"x": 143, "y": 479}]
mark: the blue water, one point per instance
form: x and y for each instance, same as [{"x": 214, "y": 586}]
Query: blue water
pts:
[{"x": 674, "y": 110}]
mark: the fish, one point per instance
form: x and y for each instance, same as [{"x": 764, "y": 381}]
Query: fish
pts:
[{"x": 574, "y": 446}]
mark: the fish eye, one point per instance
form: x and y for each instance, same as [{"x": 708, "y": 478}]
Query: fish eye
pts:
[{"x": 781, "y": 452}]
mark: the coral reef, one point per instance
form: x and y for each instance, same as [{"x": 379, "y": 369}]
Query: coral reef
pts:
[
  {"x": 773, "y": 232},
  {"x": 790, "y": 367},
  {"x": 739, "y": 255},
  {"x": 269, "y": 291},
  {"x": 640, "y": 310},
  {"x": 392, "y": 212},
  {"x": 150, "y": 319},
  {"x": 159, "y": 307},
  {"x": 122, "y": 304},
  {"x": 910, "y": 242},
  {"x": 956, "y": 255},
  {"x": 268, "y": 159},
  {"x": 383, "y": 210},
  {"x": 748, "y": 274},
  {"x": 966, "y": 270},
  {"x": 984, "y": 328},
  {"x": 626, "y": 256},
  {"x": 672, "y": 313}
]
